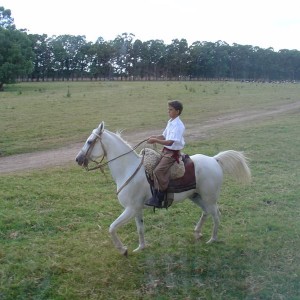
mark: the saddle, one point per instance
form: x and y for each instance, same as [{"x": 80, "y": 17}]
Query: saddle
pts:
[
  {"x": 179, "y": 185},
  {"x": 187, "y": 181}
]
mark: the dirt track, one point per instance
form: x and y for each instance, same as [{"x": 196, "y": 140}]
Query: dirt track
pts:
[{"x": 58, "y": 157}]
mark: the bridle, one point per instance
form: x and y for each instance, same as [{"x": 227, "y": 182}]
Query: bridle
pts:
[
  {"x": 100, "y": 165},
  {"x": 89, "y": 150}
]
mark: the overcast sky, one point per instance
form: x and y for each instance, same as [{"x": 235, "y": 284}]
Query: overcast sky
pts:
[{"x": 263, "y": 23}]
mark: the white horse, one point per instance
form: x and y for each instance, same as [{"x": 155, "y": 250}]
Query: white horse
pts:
[{"x": 133, "y": 188}]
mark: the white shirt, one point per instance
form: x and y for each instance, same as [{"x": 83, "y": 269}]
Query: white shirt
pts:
[{"x": 174, "y": 132}]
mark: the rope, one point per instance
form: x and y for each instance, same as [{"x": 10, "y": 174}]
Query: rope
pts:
[
  {"x": 100, "y": 166},
  {"x": 135, "y": 172}
]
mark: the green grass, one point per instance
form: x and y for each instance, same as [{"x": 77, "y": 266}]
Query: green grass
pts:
[
  {"x": 37, "y": 116},
  {"x": 54, "y": 240}
]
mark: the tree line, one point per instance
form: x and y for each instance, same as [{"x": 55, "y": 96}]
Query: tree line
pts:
[{"x": 66, "y": 57}]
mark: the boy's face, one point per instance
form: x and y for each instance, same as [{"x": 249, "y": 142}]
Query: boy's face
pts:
[{"x": 173, "y": 113}]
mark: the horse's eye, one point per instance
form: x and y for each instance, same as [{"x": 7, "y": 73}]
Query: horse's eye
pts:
[{"x": 89, "y": 142}]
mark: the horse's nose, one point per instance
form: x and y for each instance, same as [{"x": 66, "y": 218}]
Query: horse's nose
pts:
[{"x": 78, "y": 158}]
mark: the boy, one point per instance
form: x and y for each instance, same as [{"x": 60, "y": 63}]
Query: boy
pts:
[{"x": 173, "y": 142}]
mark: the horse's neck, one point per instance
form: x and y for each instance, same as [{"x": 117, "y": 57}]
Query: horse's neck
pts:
[{"x": 120, "y": 167}]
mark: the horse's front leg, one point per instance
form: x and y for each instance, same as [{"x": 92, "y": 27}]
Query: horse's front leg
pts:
[
  {"x": 140, "y": 229},
  {"x": 120, "y": 221}
]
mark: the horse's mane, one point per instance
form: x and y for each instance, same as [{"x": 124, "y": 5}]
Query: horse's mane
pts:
[{"x": 119, "y": 135}]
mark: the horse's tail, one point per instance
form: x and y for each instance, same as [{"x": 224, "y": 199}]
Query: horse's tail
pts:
[{"x": 235, "y": 164}]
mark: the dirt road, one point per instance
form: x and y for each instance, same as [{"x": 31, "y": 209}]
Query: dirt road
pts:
[{"x": 58, "y": 157}]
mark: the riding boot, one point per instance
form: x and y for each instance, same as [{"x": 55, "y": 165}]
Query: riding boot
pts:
[
  {"x": 161, "y": 197},
  {"x": 156, "y": 199}
]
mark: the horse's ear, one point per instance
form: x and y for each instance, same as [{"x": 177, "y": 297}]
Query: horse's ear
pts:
[{"x": 101, "y": 127}]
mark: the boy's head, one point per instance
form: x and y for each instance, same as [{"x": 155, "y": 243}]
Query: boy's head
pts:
[{"x": 177, "y": 105}]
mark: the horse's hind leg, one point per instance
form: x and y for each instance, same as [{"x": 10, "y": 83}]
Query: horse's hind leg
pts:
[
  {"x": 140, "y": 229},
  {"x": 121, "y": 220},
  {"x": 216, "y": 218},
  {"x": 198, "y": 228},
  {"x": 208, "y": 208},
  {"x": 196, "y": 198}
]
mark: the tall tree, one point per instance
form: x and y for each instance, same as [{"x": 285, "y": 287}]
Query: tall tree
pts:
[
  {"x": 221, "y": 60},
  {"x": 101, "y": 57},
  {"x": 207, "y": 58},
  {"x": 43, "y": 56},
  {"x": 289, "y": 64},
  {"x": 15, "y": 50},
  {"x": 156, "y": 51},
  {"x": 16, "y": 55},
  {"x": 6, "y": 20},
  {"x": 152, "y": 63},
  {"x": 177, "y": 54},
  {"x": 196, "y": 61},
  {"x": 136, "y": 67},
  {"x": 67, "y": 55},
  {"x": 122, "y": 45}
]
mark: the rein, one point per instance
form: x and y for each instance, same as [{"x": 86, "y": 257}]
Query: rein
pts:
[
  {"x": 134, "y": 173},
  {"x": 101, "y": 166}
]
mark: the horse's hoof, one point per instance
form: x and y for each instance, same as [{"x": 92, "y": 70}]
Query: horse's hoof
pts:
[
  {"x": 212, "y": 241},
  {"x": 125, "y": 253},
  {"x": 139, "y": 248},
  {"x": 198, "y": 236}
]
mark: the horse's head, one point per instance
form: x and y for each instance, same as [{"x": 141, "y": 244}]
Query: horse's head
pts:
[{"x": 92, "y": 148}]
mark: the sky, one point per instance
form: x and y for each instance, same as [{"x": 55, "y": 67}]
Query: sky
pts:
[{"x": 262, "y": 23}]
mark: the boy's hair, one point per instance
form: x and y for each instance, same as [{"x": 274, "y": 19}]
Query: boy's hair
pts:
[{"x": 177, "y": 105}]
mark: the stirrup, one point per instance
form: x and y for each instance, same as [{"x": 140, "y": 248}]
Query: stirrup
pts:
[{"x": 154, "y": 201}]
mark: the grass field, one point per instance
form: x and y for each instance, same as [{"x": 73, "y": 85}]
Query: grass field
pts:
[
  {"x": 36, "y": 116},
  {"x": 54, "y": 241}
]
